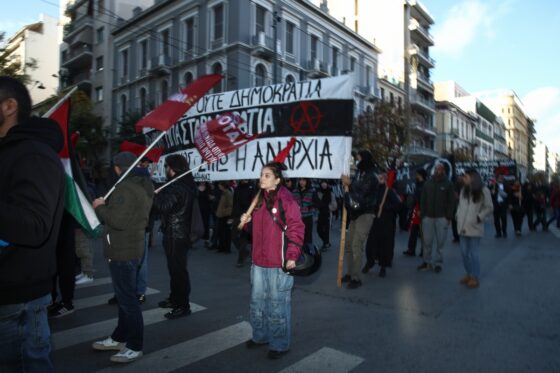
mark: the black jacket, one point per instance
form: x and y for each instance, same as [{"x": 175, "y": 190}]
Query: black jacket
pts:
[
  {"x": 175, "y": 204},
  {"x": 31, "y": 205},
  {"x": 362, "y": 189}
]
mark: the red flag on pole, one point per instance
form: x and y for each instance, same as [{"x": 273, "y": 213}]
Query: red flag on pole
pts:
[
  {"x": 218, "y": 137},
  {"x": 137, "y": 149},
  {"x": 281, "y": 157},
  {"x": 168, "y": 113}
]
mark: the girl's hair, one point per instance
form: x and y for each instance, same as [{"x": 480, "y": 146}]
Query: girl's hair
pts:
[
  {"x": 276, "y": 168},
  {"x": 474, "y": 189}
]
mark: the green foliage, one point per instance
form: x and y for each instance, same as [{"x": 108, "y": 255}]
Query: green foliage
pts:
[
  {"x": 90, "y": 126},
  {"x": 9, "y": 67}
]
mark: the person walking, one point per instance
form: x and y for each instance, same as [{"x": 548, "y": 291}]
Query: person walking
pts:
[
  {"x": 416, "y": 220},
  {"x": 475, "y": 204},
  {"x": 326, "y": 204},
  {"x": 278, "y": 233},
  {"x": 437, "y": 205},
  {"x": 307, "y": 199},
  {"x": 241, "y": 239},
  {"x": 555, "y": 204},
  {"x": 31, "y": 205},
  {"x": 125, "y": 215},
  {"x": 516, "y": 207},
  {"x": 499, "y": 198},
  {"x": 223, "y": 214},
  {"x": 528, "y": 203}
]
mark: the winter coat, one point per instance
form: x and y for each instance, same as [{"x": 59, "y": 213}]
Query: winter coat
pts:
[
  {"x": 306, "y": 200},
  {"x": 267, "y": 234},
  {"x": 468, "y": 212},
  {"x": 438, "y": 198},
  {"x": 32, "y": 184},
  {"x": 362, "y": 189},
  {"x": 125, "y": 215},
  {"x": 555, "y": 198},
  {"x": 225, "y": 205},
  {"x": 175, "y": 204}
]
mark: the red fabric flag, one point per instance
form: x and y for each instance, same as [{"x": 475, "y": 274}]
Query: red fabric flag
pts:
[
  {"x": 391, "y": 177},
  {"x": 61, "y": 115},
  {"x": 281, "y": 157},
  {"x": 218, "y": 137},
  {"x": 137, "y": 149},
  {"x": 168, "y": 113}
]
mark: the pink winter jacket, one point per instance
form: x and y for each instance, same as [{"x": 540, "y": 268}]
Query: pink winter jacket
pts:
[{"x": 267, "y": 235}]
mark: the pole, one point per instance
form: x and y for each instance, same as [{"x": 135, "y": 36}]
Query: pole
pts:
[
  {"x": 160, "y": 136},
  {"x": 178, "y": 177},
  {"x": 60, "y": 102},
  {"x": 251, "y": 208},
  {"x": 342, "y": 244}
]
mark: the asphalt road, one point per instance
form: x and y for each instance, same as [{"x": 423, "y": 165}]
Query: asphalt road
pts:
[{"x": 406, "y": 322}]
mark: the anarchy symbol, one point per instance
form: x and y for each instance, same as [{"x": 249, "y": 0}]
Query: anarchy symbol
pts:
[{"x": 305, "y": 118}]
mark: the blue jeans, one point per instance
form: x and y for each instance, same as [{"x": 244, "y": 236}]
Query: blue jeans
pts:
[
  {"x": 470, "y": 248},
  {"x": 130, "y": 328},
  {"x": 25, "y": 337},
  {"x": 142, "y": 278},
  {"x": 270, "y": 311}
]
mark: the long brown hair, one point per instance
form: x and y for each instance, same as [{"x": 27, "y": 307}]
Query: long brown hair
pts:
[
  {"x": 474, "y": 189},
  {"x": 276, "y": 169}
]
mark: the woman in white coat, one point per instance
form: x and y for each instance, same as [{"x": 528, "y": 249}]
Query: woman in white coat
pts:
[{"x": 475, "y": 204}]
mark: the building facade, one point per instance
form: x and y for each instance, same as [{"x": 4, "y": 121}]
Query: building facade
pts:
[
  {"x": 250, "y": 42},
  {"x": 36, "y": 42},
  {"x": 456, "y": 130}
]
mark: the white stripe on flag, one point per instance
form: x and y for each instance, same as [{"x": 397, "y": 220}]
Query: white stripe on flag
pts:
[{"x": 325, "y": 360}]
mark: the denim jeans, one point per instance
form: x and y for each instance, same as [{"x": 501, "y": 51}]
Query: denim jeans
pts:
[
  {"x": 142, "y": 277},
  {"x": 25, "y": 337},
  {"x": 470, "y": 249},
  {"x": 130, "y": 327},
  {"x": 270, "y": 311}
]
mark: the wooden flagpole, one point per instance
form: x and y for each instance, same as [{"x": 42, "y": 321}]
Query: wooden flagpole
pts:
[{"x": 342, "y": 243}]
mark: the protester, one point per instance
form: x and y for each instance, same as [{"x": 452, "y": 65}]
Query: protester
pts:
[
  {"x": 437, "y": 205},
  {"x": 31, "y": 205},
  {"x": 326, "y": 204},
  {"x": 475, "y": 204},
  {"x": 516, "y": 207},
  {"x": 528, "y": 203},
  {"x": 361, "y": 188},
  {"x": 242, "y": 197},
  {"x": 499, "y": 199},
  {"x": 416, "y": 220},
  {"x": 306, "y": 198},
  {"x": 458, "y": 187},
  {"x": 205, "y": 204},
  {"x": 381, "y": 241},
  {"x": 270, "y": 310},
  {"x": 555, "y": 204},
  {"x": 541, "y": 193},
  {"x": 223, "y": 215},
  {"x": 175, "y": 204},
  {"x": 125, "y": 216}
]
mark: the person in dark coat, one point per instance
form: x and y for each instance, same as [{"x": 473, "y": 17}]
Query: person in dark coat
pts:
[
  {"x": 528, "y": 203},
  {"x": 175, "y": 204},
  {"x": 515, "y": 201},
  {"x": 242, "y": 197},
  {"x": 306, "y": 198},
  {"x": 205, "y": 206},
  {"x": 416, "y": 218},
  {"x": 325, "y": 203}
]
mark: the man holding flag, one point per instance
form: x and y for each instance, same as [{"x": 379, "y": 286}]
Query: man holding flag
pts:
[{"x": 31, "y": 204}]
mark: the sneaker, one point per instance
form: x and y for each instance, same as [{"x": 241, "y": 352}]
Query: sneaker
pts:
[
  {"x": 437, "y": 269},
  {"x": 60, "y": 310},
  {"x": 126, "y": 356},
  {"x": 425, "y": 267},
  {"x": 166, "y": 304},
  {"x": 354, "y": 284},
  {"x": 79, "y": 276},
  {"x": 85, "y": 279},
  {"x": 177, "y": 312},
  {"x": 113, "y": 300},
  {"x": 108, "y": 344},
  {"x": 141, "y": 298},
  {"x": 52, "y": 306},
  {"x": 274, "y": 355}
]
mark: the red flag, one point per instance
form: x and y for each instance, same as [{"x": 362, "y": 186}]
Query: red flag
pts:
[
  {"x": 168, "y": 113},
  {"x": 137, "y": 149},
  {"x": 391, "y": 177},
  {"x": 61, "y": 115},
  {"x": 218, "y": 137},
  {"x": 281, "y": 157}
]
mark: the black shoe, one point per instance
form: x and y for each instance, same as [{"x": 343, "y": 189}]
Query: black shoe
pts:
[
  {"x": 252, "y": 344},
  {"x": 346, "y": 278},
  {"x": 166, "y": 304},
  {"x": 437, "y": 269},
  {"x": 274, "y": 355},
  {"x": 409, "y": 253},
  {"x": 425, "y": 267},
  {"x": 382, "y": 272},
  {"x": 113, "y": 301},
  {"x": 367, "y": 267},
  {"x": 141, "y": 298},
  {"x": 60, "y": 310},
  {"x": 354, "y": 284},
  {"x": 177, "y": 312}
]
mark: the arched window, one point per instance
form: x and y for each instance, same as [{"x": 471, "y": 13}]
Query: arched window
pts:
[
  {"x": 188, "y": 78},
  {"x": 217, "y": 69},
  {"x": 143, "y": 103},
  {"x": 290, "y": 78},
  {"x": 164, "y": 90},
  {"x": 260, "y": 75},
  {"x": 124, "y": 106}
]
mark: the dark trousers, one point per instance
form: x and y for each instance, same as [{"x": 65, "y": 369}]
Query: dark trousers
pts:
[
  {"x": 130, "y": 327},
  {"x": 500, "y": 219},
  {"x": 517, "y": 217},
  {"x": 308, "y": 221},
  {"x": 324, "y": 227},
  {"x": 541, "y": 218},
  {"x": 179, "y": 281},
  {"x": 454, "y": 229},
  {"x": 530, "y": 217},
  {"x": 415, "y": 232},
  {"x": 381, "y": 242},
  {"x": 224, "y": 235},
  {"x": 65, "y": 277},
  {"x": 241, "y": 240}
]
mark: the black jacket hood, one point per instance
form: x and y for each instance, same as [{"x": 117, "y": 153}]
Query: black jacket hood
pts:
[{"x": 43, "y": 130}]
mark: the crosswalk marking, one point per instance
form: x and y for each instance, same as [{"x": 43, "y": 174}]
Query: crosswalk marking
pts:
[
  {"x": 554, "y": 230},
  {"x": 325, "y": 360},
  {"x": 99, "y": 300},
  {"x": 95, "y": 282},
  {"x": 100, "y": 329},
  {"x": 191, "y": 351}
]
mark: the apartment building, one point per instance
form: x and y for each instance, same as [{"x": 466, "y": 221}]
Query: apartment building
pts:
[{"x": 456, "y": 130}]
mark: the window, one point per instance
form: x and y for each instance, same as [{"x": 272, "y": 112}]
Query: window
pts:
[
  {"x": 217, "y": 69},
  {"x": 352, "y": 63},
  {"x": 144, "y": 54},
  {"x": 124, "y": 108},
  {"x": 100, "y": 6},
  {"x": 99, "y": 94},
  {"x": 391, "y": 98},
  {"x": 143, "y": 103},
  {"x": 188, "y": 78},
  {"x": 260, "y": 20},
  {"x": 290, "y": 78},
  {"x": 100, "y": 35},
  {"x": 382, "y": 91},
  {"x": 99, "y": 63},
  {"x": 335, "y": 54},
  {"x": 218, "y": 22},
  {"x": 164, "y": 90},
  {"x": 399, "y": 102},
  {"x": 314, "y": 47},
  {"x": 165, "y": 42},
  {"x": 290, "y": 28},
  {"x": 368, "y": 76},
  {"x": 260, "y": 75},
  {"x": 124, "y": 63},
  {"x": 189, "y": 34}
]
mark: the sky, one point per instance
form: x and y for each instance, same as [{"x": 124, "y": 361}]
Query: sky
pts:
[{"x": 480, "y": 44}]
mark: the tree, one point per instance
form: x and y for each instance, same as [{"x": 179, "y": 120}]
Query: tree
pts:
[
  {"x": 383, "y": 132},
  {"x": 14, "y": 68},
  {"x": 127, "y": 131}
]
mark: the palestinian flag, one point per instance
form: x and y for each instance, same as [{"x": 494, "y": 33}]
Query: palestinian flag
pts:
[{"x": 75, "y": 200}]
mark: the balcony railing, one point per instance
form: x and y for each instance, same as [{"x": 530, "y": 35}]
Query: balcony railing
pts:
[
  {"x": 418, "y": 99},
  {"x": 77, "y": 52},
  {"x": 416, "y": 26}
]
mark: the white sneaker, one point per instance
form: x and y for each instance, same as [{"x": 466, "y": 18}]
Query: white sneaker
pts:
[
  {"x": 126, "y": 356},
  {"x": 85, "y": 279},
  {"x": 108, "y": 344},
  {"x": 79, "y": 276}
]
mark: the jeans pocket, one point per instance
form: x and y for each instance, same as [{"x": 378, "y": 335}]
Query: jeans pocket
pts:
[
  {"x": 38, "y": 326},
  {"x": 285, "y": 281}
]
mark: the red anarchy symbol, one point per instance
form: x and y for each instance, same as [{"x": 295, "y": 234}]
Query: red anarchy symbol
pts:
[{"x": 305, "y": 117}]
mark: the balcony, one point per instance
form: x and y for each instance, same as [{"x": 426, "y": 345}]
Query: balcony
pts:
[
  {"x": 316, "y": 69},
  {"x": 369, "y": 92},
  {"x": 78, "y": 57},
  {"x": 80, "y": 30},
  {"x": 426, "y": 104},
  {"x": 417, "y": 10},
  {"x": 422, "y": 56},
  {"x": 263, "y": 46},
  {"x": 161, "y": 65},
  {"x": 424, "y": 82},
  {"x": 81, "y": 80},
  {"x": 483, "y": 136},
  {"x": 420, "y": 32},
  {"x": 419, "y": 150},
  {"x": 422, "y": 127}
]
